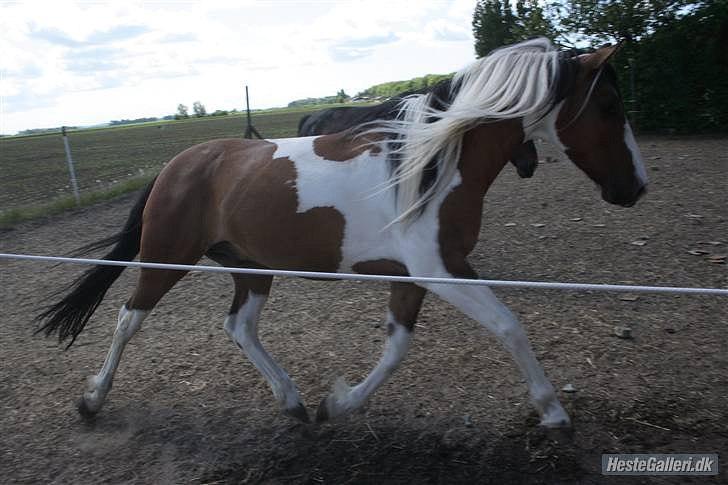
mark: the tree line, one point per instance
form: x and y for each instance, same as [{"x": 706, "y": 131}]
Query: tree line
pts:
[
  {"x": 199, "y": 110},
  {"x": 393, "y": 88},
  {"x": 376, "y": 92},
  {"x": 673, "y": 65}
]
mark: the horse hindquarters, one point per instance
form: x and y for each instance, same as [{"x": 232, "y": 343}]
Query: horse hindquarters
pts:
[{"x": 169, "y": 234}]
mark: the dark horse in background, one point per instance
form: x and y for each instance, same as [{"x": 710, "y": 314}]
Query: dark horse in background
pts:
[{"x": 333, "y": 120}]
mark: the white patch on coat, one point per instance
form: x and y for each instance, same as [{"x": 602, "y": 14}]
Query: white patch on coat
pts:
[
  {"x": 350, "y": 187},
  {"x": 639, "y": 166},
  {"x": 346, "y": 186}
]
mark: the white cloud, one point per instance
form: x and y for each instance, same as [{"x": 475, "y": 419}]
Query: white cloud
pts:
[{"x": 84, "y": 63}]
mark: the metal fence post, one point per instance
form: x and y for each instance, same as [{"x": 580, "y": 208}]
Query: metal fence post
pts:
[
  {"x": 250, "y": 130},
  {"x": 74, "y": 184}
]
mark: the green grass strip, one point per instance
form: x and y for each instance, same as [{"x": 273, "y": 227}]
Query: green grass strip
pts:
[{"x": 16, "y": 215}]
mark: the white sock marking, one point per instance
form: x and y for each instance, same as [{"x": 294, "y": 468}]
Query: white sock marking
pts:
[
  {"x": 346, "y": 399},
  {"x": 243, "y": 329},
  {"x": 98, "y": 386}
]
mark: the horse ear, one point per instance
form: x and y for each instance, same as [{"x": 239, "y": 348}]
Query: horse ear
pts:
[{"x": 596, "y": 59}]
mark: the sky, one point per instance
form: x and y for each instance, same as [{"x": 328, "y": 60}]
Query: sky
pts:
[{"x": 84, "y": 63}]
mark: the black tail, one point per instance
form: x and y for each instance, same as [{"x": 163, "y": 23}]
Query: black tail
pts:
[{"x": 68, "y": 317}]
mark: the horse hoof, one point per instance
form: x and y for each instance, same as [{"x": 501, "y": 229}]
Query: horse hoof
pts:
[
  {"x": 562, "y": 423},
  {"x": 84, "y": 410},
  {"x": 299, "y": 412}
]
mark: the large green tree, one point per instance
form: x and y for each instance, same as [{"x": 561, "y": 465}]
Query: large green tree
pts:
[
  {"x": 681, "y": 72},
  {"x": 494, "y": 25},
  {"x": 600, "y": 21},
  {"x": 532, "y": 20},
  {"x": 673, "y": 69}
]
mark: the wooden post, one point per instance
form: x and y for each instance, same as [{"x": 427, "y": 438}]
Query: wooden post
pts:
[
  {"x": 250, "y": 130},
  {"x": 71, "y": 170}
]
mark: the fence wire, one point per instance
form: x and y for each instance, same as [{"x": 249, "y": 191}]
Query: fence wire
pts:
[{"x": 546, "y": 285}]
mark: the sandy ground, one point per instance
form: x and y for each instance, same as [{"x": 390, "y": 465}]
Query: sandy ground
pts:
[{"x": 188, "y": 408}]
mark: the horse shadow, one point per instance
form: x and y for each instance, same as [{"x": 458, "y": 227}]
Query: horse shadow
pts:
[
  {"x": 250, "y": 443},
  {"x": 235, "y": 446}
]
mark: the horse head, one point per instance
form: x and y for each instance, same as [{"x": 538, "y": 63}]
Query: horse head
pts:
[{"x": 594, "y": 131}]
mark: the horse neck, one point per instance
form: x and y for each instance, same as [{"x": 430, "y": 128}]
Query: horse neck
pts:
[{"x": 485, "y": 151}]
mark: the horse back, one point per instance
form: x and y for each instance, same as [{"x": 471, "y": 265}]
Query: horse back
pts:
[{"x": 279, "y": 204}]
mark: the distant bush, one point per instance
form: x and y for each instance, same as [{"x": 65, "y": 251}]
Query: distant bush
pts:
[
  {"x": 38, "y": 131},
  {"x": 312, "y": 101},
  {"x": 128, "y": 122},
  {"x": 394, "y": 88}
]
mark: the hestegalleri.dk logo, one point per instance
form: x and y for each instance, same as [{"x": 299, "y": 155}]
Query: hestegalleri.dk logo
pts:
[{"x": 660, "y": 464}]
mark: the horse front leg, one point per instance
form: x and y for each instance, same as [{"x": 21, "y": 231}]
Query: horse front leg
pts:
[
  {"x": 480, "y": 304},
  {"x": 251, "y": 293},
  {"x": 404, "y": 304}
]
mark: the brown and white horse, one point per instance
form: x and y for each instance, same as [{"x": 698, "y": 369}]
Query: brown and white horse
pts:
[{"x": 402, "y": 197}]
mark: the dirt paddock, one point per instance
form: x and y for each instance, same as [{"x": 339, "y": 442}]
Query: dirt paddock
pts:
[{"x": 187, "y": 407}]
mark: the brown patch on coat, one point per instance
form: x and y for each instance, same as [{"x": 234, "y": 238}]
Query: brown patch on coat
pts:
[
  {"x": 262, "y": 220},
  {"x": 247, "y": 284},
  {"x": 343, "y": 146},
  {"x": 234, "y": 192},
  {"x": 381, "y": 266},
  {"x": 173, "y": 228},
  {"x": 405, "y": 301},
  {"x": 232, "y": 198},
  {"x": 486, "y": 150}
]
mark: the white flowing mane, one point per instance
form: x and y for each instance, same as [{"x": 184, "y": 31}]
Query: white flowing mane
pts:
[{"x": 512, "y": 82}]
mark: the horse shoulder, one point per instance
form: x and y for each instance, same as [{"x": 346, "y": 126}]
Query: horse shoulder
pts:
[{"x": 459, "y": 220}]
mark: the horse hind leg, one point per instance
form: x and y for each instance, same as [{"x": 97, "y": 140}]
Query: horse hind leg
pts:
[
  {"x": 241, "y": 325},
  {"x": 99, "y": 385},
  {"x": 153, "y": 284},
  {"x": 404, "y": 305}
]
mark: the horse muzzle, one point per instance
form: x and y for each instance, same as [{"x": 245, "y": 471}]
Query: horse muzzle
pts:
[{"x": 622, "y": 198}]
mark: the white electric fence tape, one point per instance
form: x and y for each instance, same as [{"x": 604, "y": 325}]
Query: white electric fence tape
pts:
[{"x": 367, "y": 277}]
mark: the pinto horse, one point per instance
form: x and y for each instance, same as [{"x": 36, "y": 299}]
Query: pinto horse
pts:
[
  {"x": 333, "y": 120},
  {"x": 403, "y": 197}
]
